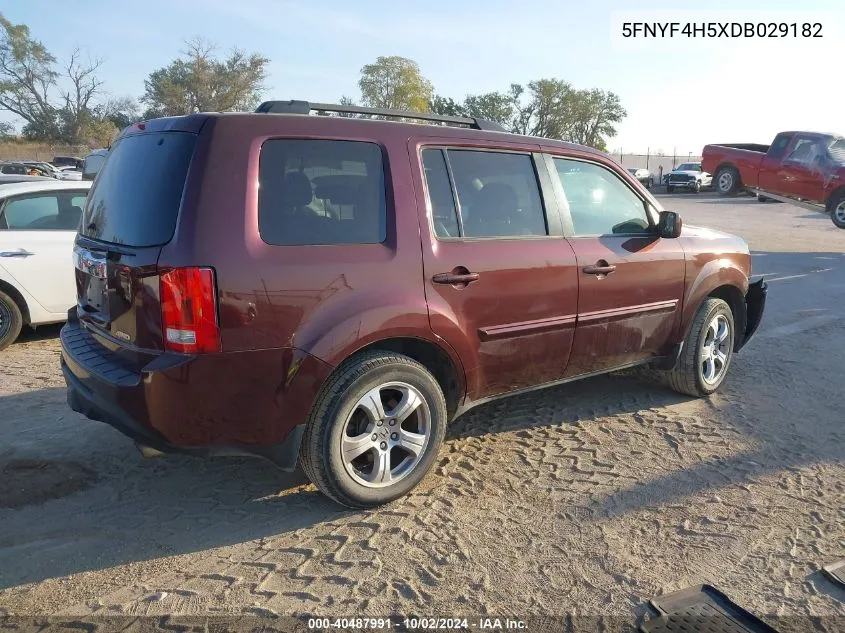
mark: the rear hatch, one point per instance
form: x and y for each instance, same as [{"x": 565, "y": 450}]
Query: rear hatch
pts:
[{"x": 131, "y": 213}]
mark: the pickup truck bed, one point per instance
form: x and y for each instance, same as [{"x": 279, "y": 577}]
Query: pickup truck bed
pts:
[{"x": 803, "y": 167}]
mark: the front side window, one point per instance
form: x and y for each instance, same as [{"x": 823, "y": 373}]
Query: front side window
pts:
[
  {"x": 321, "y": 192},
  {"x": 599, "y": 202},
  {"x": 45, "y": 212},
  {"x": 806, "y": 151}
]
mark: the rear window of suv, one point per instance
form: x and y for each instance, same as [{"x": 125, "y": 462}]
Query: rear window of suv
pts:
[
  {"x": 136, "y": 198},
  {"x": 321, "y": 192}
]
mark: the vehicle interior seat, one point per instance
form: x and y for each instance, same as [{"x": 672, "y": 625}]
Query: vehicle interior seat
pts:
[{"x": 495, "y": 212}]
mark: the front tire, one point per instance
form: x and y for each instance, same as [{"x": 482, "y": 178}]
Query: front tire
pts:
[
  {"x": 727, "y": 181},
  {"x": 670, "y": 189},
  {"x": 837, "y": 210},
  {"x": 697, "y": 187},
  {"x": 707, "y": 351},
  {"x": 11, "y": 320},
  {"x": 375, "y": 430}
]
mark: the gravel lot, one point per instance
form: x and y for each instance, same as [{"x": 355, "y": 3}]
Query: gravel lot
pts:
[{"x": 585, "y": 499}]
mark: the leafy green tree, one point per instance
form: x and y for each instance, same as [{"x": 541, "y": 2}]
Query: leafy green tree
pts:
[
  {"x": 446, "y": 106},
  {"x": 395, "y": 82},
  {"x": 54, "y": 104},
  {"x": 200, "y": 82}
]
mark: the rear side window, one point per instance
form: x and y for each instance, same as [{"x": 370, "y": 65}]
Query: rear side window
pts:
[
  {"x": 136, "y": 198},
  {"x": 779, "y": 146},
  {"x": 54, "y": 211},
  {"x": 498, "y": 194},
  {"x": 321, "y": 192},
  {"x": 444, "y": 215}
]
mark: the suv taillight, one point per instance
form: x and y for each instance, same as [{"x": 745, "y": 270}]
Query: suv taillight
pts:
[{"x": 189, "y": 310}]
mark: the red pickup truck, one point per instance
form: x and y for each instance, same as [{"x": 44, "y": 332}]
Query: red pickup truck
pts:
[{"x": 807, "y": 168}]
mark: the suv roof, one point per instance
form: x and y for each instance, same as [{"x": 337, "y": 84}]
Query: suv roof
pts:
[{"x": 449, "y": 126}]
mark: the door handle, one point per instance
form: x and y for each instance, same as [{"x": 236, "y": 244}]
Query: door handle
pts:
[
  {"x": 454, "y": 278},
  {"x": 599, "y": 269},
  {"x": 20, "y": 253}
]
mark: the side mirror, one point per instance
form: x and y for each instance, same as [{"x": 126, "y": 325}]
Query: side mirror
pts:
[{"x": 670, "y": 225}]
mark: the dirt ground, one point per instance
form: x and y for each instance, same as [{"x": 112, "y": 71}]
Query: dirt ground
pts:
[{"x": 587, "y": 499}]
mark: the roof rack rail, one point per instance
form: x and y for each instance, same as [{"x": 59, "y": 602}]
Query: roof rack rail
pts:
[{"x": 305, "y": 107}]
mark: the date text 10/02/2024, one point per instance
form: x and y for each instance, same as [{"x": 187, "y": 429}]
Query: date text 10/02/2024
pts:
[{"x": 417, "y": 624}]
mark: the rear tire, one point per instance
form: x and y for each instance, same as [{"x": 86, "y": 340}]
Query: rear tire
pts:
[
  {"x": 353, "y": 447},
  {"x": 707, "y": 352},
  {"x": 11, "y": 320},
  {"x": 837, "y": 209},
  {"x": 727, "y": 181}
]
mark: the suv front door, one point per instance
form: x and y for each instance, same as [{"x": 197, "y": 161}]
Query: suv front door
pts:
[
  {"x": 631, "y": 282},
  {"x": 501, "y": 283}
]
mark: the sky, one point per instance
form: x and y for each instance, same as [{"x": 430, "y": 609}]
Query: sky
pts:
[{"x": 679, "y": 94}]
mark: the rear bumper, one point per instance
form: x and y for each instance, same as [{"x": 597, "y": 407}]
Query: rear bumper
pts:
[
  {"x": 755, "y": 304},
  {"x": 246, "y": 403}
]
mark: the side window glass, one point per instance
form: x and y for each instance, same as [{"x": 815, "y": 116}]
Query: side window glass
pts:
[
  {"x": 599, "y": 202},
  {"x": 53, "y": 212},
  {"x": 444, "y": 214},
  {"x": 321, "y": 192},
  {"x": 806, "y": 151},
  {"x": 498, "y": 194},
  {"x": 779, "y": 146}
]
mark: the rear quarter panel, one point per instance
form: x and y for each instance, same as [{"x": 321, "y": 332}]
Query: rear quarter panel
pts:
[{"x": 324, "y": 300}]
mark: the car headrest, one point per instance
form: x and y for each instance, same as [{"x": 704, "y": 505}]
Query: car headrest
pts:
[
  {"x": 296, "y": 190},
  {"x": 497, "y": 199}
]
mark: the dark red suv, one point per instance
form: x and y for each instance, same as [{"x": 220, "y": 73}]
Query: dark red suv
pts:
[{"x": 334, "y": 289}]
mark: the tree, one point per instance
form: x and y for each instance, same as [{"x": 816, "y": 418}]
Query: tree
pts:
[
  {"x": 7, "y": 130},
  {"x": 55, "y": 106},
  {"x": 499, "y": 107},
  {"x": 27, "y": 76},
  {"x": 83, "y": 86},
  {"x": 445, "y": 106},
  {"x": 596, "y": 112},
  {"x": 121, "y": 111},
  {"x": 395, "y": 82},
  {"x": 200, "y": 82}
]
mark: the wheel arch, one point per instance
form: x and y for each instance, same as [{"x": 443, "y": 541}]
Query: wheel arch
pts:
[
  {"x": 18, "y": 298},
  {"x": 839, "y": 191},
  {"x": 727, "y": 282}
]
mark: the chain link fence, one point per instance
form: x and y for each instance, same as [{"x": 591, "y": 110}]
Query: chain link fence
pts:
[{"x": 657, "y": 164}]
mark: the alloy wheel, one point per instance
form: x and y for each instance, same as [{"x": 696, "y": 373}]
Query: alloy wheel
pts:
[
  {"x": 716, "y": 349},
  {"x": 839, "y": 212},
  {"x": 385, "y": 435},
  {"x": 726, "y": 181}
]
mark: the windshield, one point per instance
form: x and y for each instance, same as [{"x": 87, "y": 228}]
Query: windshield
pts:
[
  {"x": 136, "y": 197},
  {"x": 688, "y": 167}
]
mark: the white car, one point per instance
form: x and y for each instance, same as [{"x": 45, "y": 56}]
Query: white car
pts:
[
  {"x": 38, "y": 223},
  {"x": 688, "y": 176}
]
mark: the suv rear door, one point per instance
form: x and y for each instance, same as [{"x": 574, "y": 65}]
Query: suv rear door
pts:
[
  {"x": 501, "y": 283},
  {"x": 631, "y": 281},
  {"x": 131, "y": 213}
]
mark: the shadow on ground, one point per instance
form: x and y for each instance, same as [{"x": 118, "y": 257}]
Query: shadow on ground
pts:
[{"x": 129, "y": 509}]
